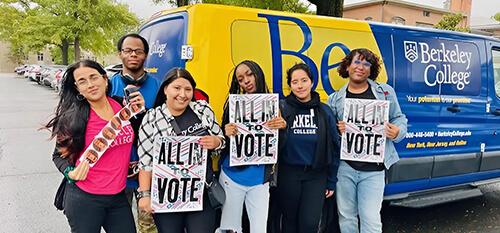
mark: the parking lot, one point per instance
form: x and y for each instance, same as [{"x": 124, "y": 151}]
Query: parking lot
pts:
[{"x": 29, "y": 180}]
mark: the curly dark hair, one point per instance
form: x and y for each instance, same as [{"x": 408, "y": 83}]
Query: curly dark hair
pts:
[
  {"x": 363, "y": 53},
  {"x": 299, "y": 66}
]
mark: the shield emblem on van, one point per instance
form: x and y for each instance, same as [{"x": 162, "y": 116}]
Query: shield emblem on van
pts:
[{"x": 411, "y": 51}]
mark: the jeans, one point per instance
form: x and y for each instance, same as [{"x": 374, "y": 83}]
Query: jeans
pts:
[
  {"x": 301, "y": 193},
  {"x": 87, "y": 212},
  {"x": 256, "y": 199},
  {"x": 359, "y": 193}
]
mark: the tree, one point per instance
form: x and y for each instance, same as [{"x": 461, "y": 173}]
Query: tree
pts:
[
  {"x": 450, "y": 22},
  {"x": 323, "y": 7},
  {"x": 329, "y": 7},
  {"x": 88, "y": 24},
  {"x": 279, "y": 5},
  {"x": 496, "y": 16}
]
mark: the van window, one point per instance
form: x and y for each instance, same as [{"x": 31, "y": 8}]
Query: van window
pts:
[{"x": 496, "y": 70}]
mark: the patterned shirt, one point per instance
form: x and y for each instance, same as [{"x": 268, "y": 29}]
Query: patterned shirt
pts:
[{"x": 157, "y": 122}]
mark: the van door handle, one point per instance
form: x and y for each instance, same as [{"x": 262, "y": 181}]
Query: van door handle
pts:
[
  {"x": 454, "y": 109},
  {"x": 496, "y": 112}
]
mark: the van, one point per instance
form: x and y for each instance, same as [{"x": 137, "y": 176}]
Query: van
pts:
[{"x": 447, "y": 83}]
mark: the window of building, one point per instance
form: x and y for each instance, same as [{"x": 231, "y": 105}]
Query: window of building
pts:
[
  {"x": 39, "y": 56},
  {"x": 427, "y": 14},
  {"x": 424, "y": 25},
  {"x": 398, "y": 20},
  {"x": 368, "y": 18}
]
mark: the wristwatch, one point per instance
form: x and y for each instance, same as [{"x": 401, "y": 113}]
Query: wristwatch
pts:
[{"x": 142, "y": 194}]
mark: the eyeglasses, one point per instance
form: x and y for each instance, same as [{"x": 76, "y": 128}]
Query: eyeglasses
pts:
[
  {"x": 85, "y": 82},
  {"x": 137, "y": 51},
  {"x": 365, "y": 64}
]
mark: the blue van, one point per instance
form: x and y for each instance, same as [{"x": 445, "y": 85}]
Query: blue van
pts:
[{"x": 448, "y": 83}]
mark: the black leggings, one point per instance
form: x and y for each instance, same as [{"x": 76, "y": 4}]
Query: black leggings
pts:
[
  {"x": 301, "y": 194},
  {"x": 193, "y": 222},
  {"x": 87, "y": 213}
]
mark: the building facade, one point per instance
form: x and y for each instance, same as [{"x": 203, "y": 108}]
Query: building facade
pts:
[{"x": 407, "y": 13}]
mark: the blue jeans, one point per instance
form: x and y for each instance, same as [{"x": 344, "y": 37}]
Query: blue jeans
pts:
[
  {"x": 256, "y": 199},
  {"x": 359, "y": 193}
]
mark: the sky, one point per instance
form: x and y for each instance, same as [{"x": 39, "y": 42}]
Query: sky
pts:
[{"x": 482, "y": 10}]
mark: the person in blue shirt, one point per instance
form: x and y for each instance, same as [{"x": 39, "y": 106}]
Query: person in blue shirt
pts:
[
  {"x": 133, "y": 50},
  {"x": 308, "y": 154},
  {"x": 245, "y": 184},
  {"x": 360, "y": 186}
]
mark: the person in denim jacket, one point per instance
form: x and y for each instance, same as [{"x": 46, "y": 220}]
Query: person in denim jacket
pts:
[{"x": 360, "y": 185}]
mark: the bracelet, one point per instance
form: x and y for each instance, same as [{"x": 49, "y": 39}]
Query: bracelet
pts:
[
  {"x": 221, "y": 144},
  {"x": 65, "y": 173},
  {"x": 142, "y": 194}
]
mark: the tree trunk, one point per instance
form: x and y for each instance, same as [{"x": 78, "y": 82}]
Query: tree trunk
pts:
[
  {"x": 329, "y": 7},
  {"x": 77, "y": 49},
  {"x": 64, "y": 52},
  {"x": 182, "y": 3}
]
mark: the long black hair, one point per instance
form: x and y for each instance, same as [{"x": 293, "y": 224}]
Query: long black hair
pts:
[
  {"x": 260, "y": 80},
  {"x": 71, "y": 115},
  {"x": 172, "y": 75}
]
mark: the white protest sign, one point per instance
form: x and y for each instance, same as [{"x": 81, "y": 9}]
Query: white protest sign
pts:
[
  {"x": 255, "y": 143},
  {"x": 364, "y": 137},
  {"x": 179, "y": 167}
]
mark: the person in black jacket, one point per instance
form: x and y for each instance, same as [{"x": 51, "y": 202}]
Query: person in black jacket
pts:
[{"x": 308, "y": 154}]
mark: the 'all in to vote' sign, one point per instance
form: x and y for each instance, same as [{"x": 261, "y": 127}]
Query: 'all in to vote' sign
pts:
[
  {"x": 179, "y": 167},
  {"x": 364, "y": 138},
  {"x": 255, "y": 143}
]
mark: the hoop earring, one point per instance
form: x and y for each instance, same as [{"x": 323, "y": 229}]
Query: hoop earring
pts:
[{"x": 80, "y": 97}]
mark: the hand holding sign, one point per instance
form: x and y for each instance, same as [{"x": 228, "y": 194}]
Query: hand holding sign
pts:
[
  {"x": 210, "y": 142},
  {"x": 80, "y": 172},
  {"x": 277, "y": 123},
  {"x": 231, "y": 129},
  {"x": 341, "y": 126}
]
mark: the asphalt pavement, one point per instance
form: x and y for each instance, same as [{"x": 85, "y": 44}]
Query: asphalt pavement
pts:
[{"x": 29, "y": 180}]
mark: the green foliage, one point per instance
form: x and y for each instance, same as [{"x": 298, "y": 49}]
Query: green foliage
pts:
[
  {"x": 56, "y": 54},
  {"x": 279, "y": 5},
  {"x": 496, "y": 17},
  {"x": 38, "y": 23},
  {"x": 450, "y": 22}
]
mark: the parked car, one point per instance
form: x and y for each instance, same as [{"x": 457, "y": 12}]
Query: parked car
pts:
[
  {"x": 20, "y": 69},
  {"x": 56, "y": 83},
  {"x": 49, "y": 74},
  {"x": 32, "y": 72},
  {"x": 113, "y": 69}
]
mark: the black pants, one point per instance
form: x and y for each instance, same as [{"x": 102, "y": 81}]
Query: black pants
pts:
[
  {"x": 193, "y": 222},
  {"x": 301, "y": 193},
  {"x": 87, "y": 213}
]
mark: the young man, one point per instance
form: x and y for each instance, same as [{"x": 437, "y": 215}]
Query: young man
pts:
[
  {"x": 360, "y": 185},
  {"x": 133, "y": 50}
]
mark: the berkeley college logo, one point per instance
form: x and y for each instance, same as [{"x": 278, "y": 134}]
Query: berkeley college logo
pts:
[{"x": 411, "y": 51}]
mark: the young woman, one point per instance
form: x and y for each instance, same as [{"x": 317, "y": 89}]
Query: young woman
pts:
[
  {"x": 94, "y": 197},
  {"x": 245, "y": 184},
  {"x": 308, "y": 155},
  {"x": 175, "y": 102},
  {"x": 361, "y": 184}
]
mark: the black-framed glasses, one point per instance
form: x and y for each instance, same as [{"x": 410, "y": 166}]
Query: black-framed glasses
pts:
[{"x": 137, "y": 51}]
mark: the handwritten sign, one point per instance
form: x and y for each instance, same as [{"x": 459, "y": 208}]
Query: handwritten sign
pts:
[
  {"x": 255, "y": 143},
  {"x": 364, "y": 138},
  {"x": 179, "y": 167}
]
